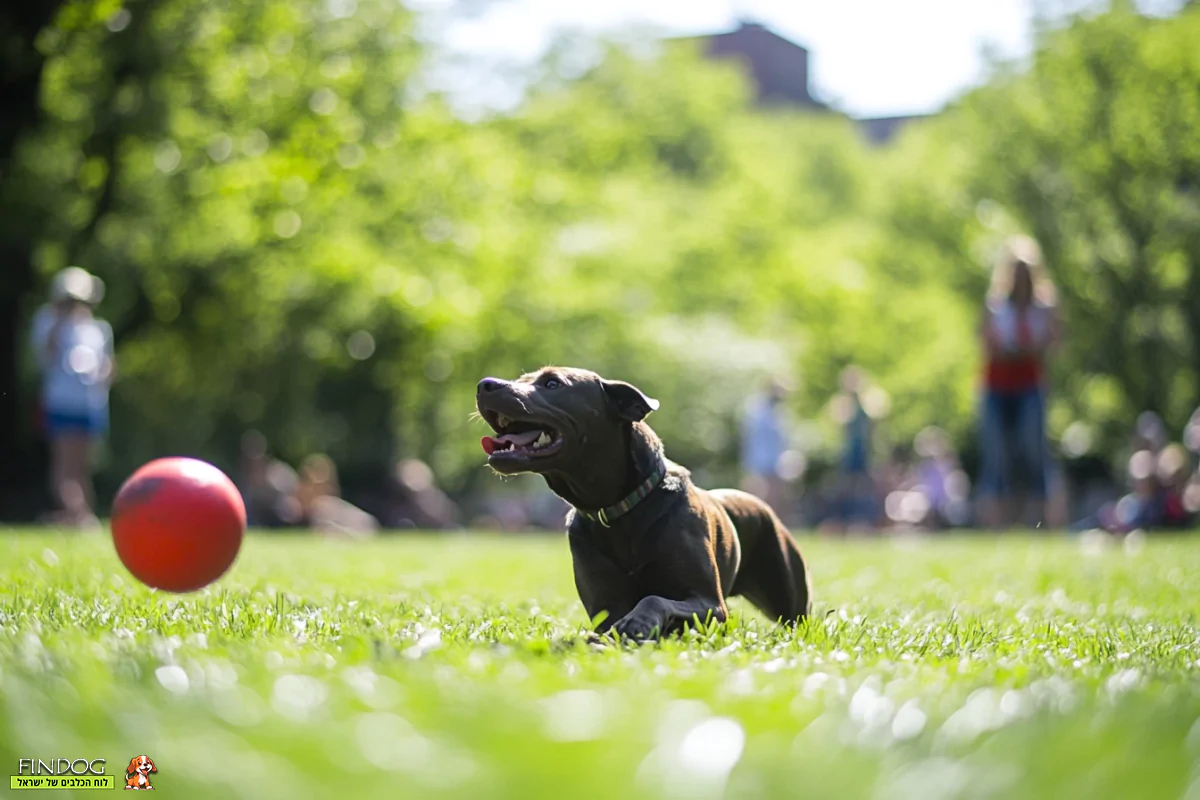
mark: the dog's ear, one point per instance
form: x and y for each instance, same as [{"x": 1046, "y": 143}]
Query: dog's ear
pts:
[
  {"x": 628, "y": 400},
  {"x": 150, "y": 761},
  {"x": 132, "y": 768}
]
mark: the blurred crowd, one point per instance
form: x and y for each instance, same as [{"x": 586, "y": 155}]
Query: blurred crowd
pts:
[
  {"x": 1162, "y": 481},
  {"x": 1019, "y": 481},
  {"x": 922, "y": 485},
  {"x": 279, "y": 496}
]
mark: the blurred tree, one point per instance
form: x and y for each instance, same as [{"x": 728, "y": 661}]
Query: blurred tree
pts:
[
  {"x": 189, "y": 145},
  {"x": 1094, "y": 151},
  {"x": 300, "y": 237},
  {"x": 21, "y": 65}
]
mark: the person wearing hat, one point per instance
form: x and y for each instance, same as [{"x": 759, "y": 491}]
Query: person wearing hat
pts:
[{"x": 74, "y": 352}]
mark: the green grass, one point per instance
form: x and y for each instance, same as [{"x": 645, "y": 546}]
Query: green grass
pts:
[{"x": 454, "y": 666}]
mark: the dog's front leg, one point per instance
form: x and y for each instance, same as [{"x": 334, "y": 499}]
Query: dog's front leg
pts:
[{"x": 656, "y": 616}]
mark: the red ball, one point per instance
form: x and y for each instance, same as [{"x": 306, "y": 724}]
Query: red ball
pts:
[{"x": 178, "y": 523}]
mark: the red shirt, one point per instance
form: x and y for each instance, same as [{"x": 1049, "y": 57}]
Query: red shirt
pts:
[
  {"x": 1014, "y": 376},
  {"x": 1011, "y": 373}
]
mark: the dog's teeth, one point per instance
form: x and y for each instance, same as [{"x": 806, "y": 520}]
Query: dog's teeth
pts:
[
  {"x": 542, "y": 440},
  {"x": 503, "y": 421}
]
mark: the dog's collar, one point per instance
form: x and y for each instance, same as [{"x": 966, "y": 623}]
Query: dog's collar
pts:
[{"x": 605, "y": 516}]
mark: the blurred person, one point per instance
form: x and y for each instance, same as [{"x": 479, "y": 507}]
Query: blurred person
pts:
[
  {"x": 1139, "y": 509},
  {"x": 416, "y": 501},
  {"x": 318, "y": 478},
  {"x": 504, "y": 512},
  {"x": 1020, "y": 328},
  {"x": 1191, "y": 497},
  {"x": 74, "y": 352},
  {"x": 1142, "y": 508},
  {"x": 1174, "y": 475},
  {"x": 941, "y": 479},
  {"x": 321, "y": 504},
  {"x": 547, "y": 511},
  {"x": 1191, "y": 432},
  {"x": 858, "y": 489},
  {"x": 932, "y": 493},
  {"x": 1149, "y": 433},
  {"x": 1191, "y": 491},
  {"x": 269, "y": 486},
  {"x": 764, "y": 440}
]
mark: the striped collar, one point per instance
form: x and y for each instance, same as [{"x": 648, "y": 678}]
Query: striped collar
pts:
[{"x": 605, "y": 516}]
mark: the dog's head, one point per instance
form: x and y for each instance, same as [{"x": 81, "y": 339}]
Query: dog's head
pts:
[
  {"x": 545, "y": 420},
  {"x": 141, "y": 765}
]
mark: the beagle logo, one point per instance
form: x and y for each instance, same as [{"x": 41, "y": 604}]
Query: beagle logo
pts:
[
  {"x": 137, "y": 774},
  {"x": 61, "y": 773}
]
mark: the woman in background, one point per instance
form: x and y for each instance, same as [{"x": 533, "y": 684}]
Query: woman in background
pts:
[
  {"x": 1019, "y": 330},
  {"x": 74, "y": 351}
]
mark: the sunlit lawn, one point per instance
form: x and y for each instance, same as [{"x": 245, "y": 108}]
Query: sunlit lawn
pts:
[{"x": 453, "y": 666}]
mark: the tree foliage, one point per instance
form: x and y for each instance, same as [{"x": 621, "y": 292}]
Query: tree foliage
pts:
[
  {"x": 298, "y": 239},
  {"x": 1093, "y": 150}
]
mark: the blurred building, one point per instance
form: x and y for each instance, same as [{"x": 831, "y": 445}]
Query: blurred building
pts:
[
  {"x": 779, "y": 70},
  {"x": 880, "y": 130},
  {"x": 778, "y": 66}
]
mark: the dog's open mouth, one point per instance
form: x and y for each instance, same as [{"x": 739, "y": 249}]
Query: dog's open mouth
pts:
[{"x": 519, "y": 440}]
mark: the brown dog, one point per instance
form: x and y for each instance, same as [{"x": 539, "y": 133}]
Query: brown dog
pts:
[{"x": 649, "y": 549}]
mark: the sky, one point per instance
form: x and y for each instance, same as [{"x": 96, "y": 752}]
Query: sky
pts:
[{"x": 868, "y": 57}]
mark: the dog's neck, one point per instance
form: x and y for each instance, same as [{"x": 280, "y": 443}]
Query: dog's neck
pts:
[{"x": 614, "y": 468}]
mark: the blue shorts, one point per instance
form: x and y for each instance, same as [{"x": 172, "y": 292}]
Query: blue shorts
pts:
[
  {"x": 1012, "y": 442},
  {"x": 92, "y": 423},
  {"x": 857, "y": 460}
]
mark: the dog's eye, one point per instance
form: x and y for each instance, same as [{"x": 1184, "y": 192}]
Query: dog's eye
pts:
[{"x": 553, "y": 383}]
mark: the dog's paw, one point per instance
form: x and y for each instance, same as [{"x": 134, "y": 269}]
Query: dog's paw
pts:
[{"x": 637, "y": 627}]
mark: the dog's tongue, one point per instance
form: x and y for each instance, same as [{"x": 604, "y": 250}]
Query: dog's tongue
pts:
[{"x": 525, "y": 439}]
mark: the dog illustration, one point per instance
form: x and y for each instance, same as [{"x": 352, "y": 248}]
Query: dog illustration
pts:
[{"x": 137, "y": 774}]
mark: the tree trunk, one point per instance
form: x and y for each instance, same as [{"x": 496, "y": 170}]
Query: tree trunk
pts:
[{"x": 22, "y": 461}]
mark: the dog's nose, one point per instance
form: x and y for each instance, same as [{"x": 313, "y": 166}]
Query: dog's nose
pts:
[{"x": 489, "y": 385}]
